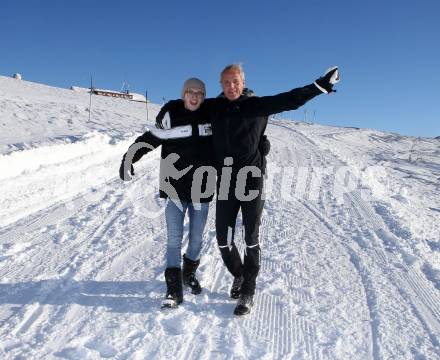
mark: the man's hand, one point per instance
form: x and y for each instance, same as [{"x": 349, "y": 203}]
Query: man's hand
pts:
[
  {"x": 264, "y": 145},
  {"x": 125, "y": 173},
  {"x": 326, "y": 82}
]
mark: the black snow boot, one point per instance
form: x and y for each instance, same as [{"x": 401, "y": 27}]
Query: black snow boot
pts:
[
  {"x": 236, "y": 287},
  {"x": 244, "y": 304},
  {"x": 189, "y": 275},
  {"x": 174, "y": 296}
]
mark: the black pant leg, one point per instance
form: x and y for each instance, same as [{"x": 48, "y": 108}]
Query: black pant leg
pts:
[
  {"x": 251, "y": 212},
  {"x": 225, "y": 217}
]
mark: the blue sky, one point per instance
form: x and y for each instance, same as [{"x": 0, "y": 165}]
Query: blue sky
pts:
[{"x": 388, "y": 51}]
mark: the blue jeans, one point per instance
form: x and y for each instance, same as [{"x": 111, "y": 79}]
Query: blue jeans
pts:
[{"x": 197, "y": 221}]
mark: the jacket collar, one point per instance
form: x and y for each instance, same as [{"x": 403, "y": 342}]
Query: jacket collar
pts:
[{"x": 247, "y": 93}]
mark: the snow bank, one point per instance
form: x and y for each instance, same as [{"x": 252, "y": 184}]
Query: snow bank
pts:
[{"x": 37, "y": 178}]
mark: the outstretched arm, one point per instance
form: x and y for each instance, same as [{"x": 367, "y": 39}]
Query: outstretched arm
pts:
[
  {"x": 147, "y": 142},
  {"x": 141, "y": 146},
  {"x": 291, "y": 100}
]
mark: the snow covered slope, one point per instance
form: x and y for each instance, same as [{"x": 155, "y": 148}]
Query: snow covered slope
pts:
[
  {"x": 350, "y": 243},
  {"x": 33, "y": 114}
]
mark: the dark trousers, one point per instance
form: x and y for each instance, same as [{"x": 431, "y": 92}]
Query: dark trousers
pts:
[{"x": 226, "y": 215}]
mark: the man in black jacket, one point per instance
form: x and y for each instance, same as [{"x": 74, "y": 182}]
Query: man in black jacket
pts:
[{"x": 238, "y": 123}]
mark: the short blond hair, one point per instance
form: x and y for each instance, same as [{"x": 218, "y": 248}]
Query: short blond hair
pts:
[{"x": 233, "y": 68}]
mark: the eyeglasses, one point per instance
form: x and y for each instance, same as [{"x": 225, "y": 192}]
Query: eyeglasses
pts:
[{"x": 198, "y": 94}]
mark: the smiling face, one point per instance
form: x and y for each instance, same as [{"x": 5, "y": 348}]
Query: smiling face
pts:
[
  {"x": 233, "y": 84},
  {"x": 193, "y": 98}
]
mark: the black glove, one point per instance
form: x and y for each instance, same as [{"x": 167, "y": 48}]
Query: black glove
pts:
[
  {"x": 163, "y": 121},
  {"x": 264, "y": 145},
  {"x": 125, "y": 175},
  {"x": 159, "y": 124},
  {"x": 326, "y": 82}
]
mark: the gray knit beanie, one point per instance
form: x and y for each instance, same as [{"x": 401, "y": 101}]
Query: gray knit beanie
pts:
[{"x": 195, "y": 84}]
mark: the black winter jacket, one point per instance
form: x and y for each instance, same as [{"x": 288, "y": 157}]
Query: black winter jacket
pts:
[
  {"x": 238, "y": 126},
  {"x": 190, "y": 138}
]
